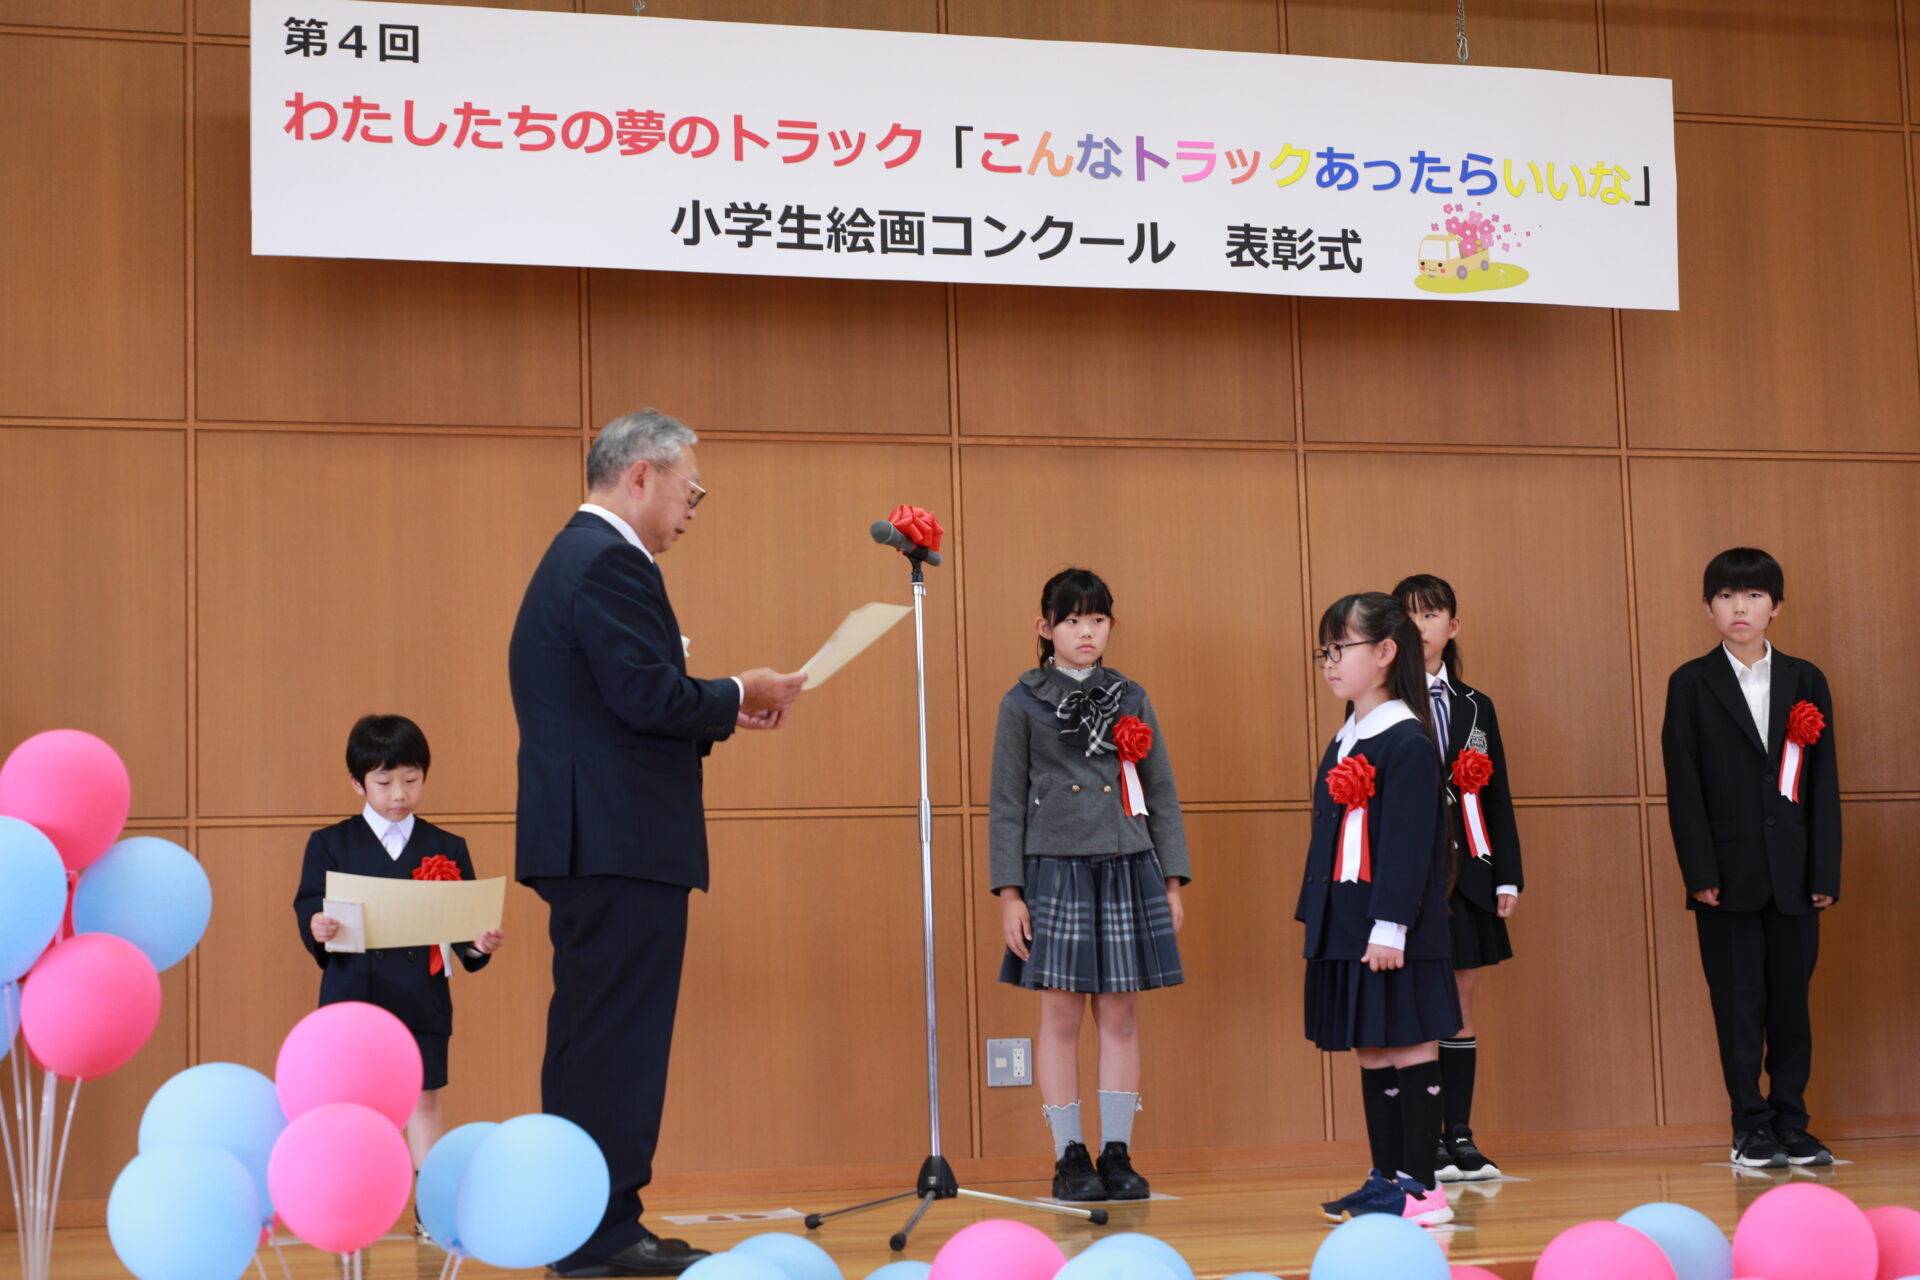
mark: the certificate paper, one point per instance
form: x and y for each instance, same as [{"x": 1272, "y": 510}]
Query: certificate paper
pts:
[
  {"x": 419, "y": 913},
  {"x": 856, "y": 631}
]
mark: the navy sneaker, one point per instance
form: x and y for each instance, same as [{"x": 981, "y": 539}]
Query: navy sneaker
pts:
[
  {"x": 1803, "y": 1148},
  {"x": 1756, "y": 1149},
  {"x": 1340, "y": 1210},
  {"x": 1379, "y": 1195}
]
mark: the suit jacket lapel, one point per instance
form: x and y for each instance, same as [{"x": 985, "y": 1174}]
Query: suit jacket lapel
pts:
[
  {"x": 1780, "y": 696},
  {"x": 1461, "y": 710},
  {"x": 1726, "y": 687}
]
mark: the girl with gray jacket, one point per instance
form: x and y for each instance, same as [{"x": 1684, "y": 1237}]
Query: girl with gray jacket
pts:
[{"x": 1088, "y": 854}]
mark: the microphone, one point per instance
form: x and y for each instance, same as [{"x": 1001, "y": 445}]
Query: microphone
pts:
[{"x": 888, "y": 536}]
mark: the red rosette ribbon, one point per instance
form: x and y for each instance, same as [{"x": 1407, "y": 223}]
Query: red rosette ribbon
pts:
[
  {"x": 1133, "y": 738},
  {"x": 1805, "y": 724},
  {"x": 1473, "y": 770},
  {"x": 1350, "y": 783},
  {"x": 437, "y": 866},
  {"x": 920, "y": 525}
]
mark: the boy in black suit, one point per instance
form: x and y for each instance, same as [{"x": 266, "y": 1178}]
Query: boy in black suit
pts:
[
  {"x": 387, "y": 759},
  {"x": 1753, "y": 797}
]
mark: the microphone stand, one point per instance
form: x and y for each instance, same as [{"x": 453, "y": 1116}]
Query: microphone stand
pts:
[{"x": 936, "y": 1180}]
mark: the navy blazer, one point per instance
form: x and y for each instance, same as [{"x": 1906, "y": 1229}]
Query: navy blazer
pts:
[
  {"x": 1408, "y": 839},
  {"x": 1470, "y": 711},
  {"x": 612, "y": 730},
  {"x": 1732, "y": 829},
  {"x": 394, "y": 978}
]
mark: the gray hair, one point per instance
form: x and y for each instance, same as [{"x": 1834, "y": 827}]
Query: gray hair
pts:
[{"x": 648, "y": 434}]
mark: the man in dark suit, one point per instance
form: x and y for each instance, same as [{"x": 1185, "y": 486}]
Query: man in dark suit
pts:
[
  {"x": 611, "y": 832},
  {"x": 1753, "y": 798}
]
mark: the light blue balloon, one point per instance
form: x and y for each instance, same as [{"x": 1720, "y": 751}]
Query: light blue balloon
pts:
[
  {"x": 534, "y": 1189},
  {"x": 33, "y": 895},
  {"x": 184, "y": 1213},
  {"x": 1696, "y": 1247},
  {"x": 436, "y": 1191},
  {"x": 1376, "y": 1245},
  {"x": 149, "y": 891},
  {"x": 220, "y": 1104},
  {"x": 797, "y": 1257},
  {"x": 733, "y": 1266},
  {"x": 1115, "y": 1264},
  {"x": 1166, "y": 1254},
  {"x": 902, "y": 1271}
]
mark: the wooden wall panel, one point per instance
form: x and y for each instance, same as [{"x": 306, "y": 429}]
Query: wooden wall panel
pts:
[
  {"x": 339, "y": 340},
  {"x": 1774, "y": 346},
  {"x": 94, "y": 324},
  {"x": 100, "y": 15},
  {"x": 1250, "y": 25},
  {"x": 1519, "y": 597},
  {"x": 347, "y": 574},
  {"x": 755, "y": 353},
  {"x": 106, "y": 1123},
  {"x": 802, "y": 1035},
  {"x": 1559, "y": 35},
  {"x": 1141, "y": 364},
  {"x": 231, "y": 17},
  {"x": 95, "y": 598},
  {"x": 1415, "y": 373},
  {"x": 873, "y": 15},
  {"x": 500, "y": 1013},
  {"x": 1764, "y": 57},
  {"x": 1186, "y": 540},
  {"x": 1689, "y": 1058},
  {"x": 773, "y": 562},
  {"x": 1224, "y": 1062},
  {"x": 1843, "y": 531}
]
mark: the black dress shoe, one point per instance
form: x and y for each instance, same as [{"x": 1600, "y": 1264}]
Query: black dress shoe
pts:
[
  {"x": 650, "y": 1256},
  {"x": 1074, "y": 1178},
  {"x": 1116, "y": 1171}
]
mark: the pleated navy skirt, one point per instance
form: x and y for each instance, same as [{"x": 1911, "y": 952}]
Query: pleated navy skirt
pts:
[{"x": 1349, "y": 1006}]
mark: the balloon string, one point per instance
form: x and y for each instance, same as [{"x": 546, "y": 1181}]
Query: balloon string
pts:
[
  {"x": 6, "y": 1130},
  {"x": 23, "y": 1115},
  {"x": 43, "y": 1177},
  {"x": 259, "y": 1265},
  {"x": 60, "y": 1165},
  {"x": 285, "y": 1270}
]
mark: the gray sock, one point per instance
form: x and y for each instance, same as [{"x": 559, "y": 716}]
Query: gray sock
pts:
[
  {"x": 1065, "y": 1123},
  {"x": 1116, "y": 1116}
]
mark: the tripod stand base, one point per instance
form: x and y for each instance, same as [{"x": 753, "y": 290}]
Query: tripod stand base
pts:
[{"x": 936, "y": 1182}]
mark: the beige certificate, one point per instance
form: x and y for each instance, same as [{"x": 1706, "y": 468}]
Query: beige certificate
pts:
[
  {"x": 856, "y": 631},
  {"x": 419, "y": 913}
]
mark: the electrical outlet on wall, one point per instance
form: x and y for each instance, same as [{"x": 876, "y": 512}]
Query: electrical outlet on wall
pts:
[{"x": 1009, "y": 1062}]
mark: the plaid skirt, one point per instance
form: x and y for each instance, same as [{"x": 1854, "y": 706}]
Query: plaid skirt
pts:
[{"x": 1099, "y": 924}]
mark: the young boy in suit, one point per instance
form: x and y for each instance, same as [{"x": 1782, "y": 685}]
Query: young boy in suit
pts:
[
  {"x": 387, "y": 760},
  {"x": 1753, "y": 797}
]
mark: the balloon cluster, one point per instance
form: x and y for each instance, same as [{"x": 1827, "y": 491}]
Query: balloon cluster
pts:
[
  {"x": 86, "y": 927},
  {"x": 998, "y": 1248}
]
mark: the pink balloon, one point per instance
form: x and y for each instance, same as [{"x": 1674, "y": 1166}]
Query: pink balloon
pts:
[
  {"x": 1804, "y": 1231},
  {"x": 89, "y": 1005},
  {"x": 1461, "y": 1271},
  {"x": 349, "y": 1052},
  {"x": 1001, "y": 1249},
  {"x": 72, "y": 786},
  {"x": 1897, "y": 1231},
  {"x": 1608, "y": 1249},
  {"x": 339, "y": 1176}
]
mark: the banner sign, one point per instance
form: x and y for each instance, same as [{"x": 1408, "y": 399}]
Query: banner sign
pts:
[{"x": 490, "y": 135}]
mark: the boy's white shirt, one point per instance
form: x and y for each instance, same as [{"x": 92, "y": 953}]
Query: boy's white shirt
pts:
[
  {"x": 404, "y": 829},
  {"x": 1376, "y": 722}
]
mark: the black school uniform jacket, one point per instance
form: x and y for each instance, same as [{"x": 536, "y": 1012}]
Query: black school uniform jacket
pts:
[
  {"x": 395, "y": 978},
  {"x": 1407, "y": 835},
  {"x": 1732, "y": 829},
  {"x": 1471, "y": 722}
]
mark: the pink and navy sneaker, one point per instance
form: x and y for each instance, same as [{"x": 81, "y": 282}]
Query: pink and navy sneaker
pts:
[{"x": 1425, "y": 1208}]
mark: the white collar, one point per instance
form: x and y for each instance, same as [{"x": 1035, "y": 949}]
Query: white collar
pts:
[
  {"x": 1373, "y": 724},
  {"x": 620, "y": 527},
  {"x": 1079, "y": 676},
  {"x": 1440, "y": 679},
  {"x": 1762, "y": 667},
  {"x": 377, "y": 820}
]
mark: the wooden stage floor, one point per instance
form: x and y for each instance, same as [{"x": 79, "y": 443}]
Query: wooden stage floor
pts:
[{"x": 1259, "y": 1220}]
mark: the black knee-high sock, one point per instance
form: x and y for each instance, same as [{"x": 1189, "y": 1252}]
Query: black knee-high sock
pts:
[
  {"x": 1421, "y": 1106},
  {"x": 1458, "y": 1058},
  {"x": 1379, "y": 1096}
]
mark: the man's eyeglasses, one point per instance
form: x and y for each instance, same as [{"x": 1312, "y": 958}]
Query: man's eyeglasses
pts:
[{"x": 695, "y": 494}]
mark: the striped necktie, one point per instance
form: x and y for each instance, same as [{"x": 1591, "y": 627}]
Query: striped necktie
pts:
[{"x": 1440, "y": 727}]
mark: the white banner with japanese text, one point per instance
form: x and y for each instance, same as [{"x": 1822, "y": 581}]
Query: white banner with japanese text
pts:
[{"x": 490, "y": 135}]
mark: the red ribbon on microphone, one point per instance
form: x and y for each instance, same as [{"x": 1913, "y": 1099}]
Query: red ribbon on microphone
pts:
[
  {"x": 1350, "y": 783},
  {"x": 921, "y": 526},
  {"x": 1472, "y": 770},
  {"x": 1804, "y": 726}
]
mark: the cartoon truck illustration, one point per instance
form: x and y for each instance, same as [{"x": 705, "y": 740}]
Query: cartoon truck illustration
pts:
[{"x": 1440, "y": 256}]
